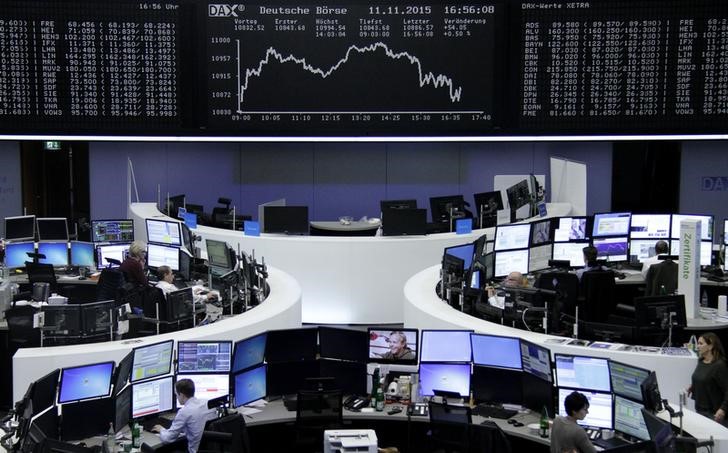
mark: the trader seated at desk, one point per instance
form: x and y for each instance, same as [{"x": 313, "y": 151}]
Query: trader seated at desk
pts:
[
  {"x": 166, "y": 277},
  {"x": 590, "y": 261},
  {"x": 566, "y": 435},
  {"x": 133, "y": 265},
  {"x": 661, "y": 248},
  {"x": 514, "y": 279},
  {"x": 190, "y": 419}
]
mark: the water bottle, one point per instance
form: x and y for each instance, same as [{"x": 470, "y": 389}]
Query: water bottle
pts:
[
  {"x": 693, "y": 344},
  {"x": 111, "y": 439},
  {"x": 379, "y": 398},
  {"x": 543, "y": 423},
  {"x": 136, "y": 435},
  {"x": 375, "y": 385},
  {"x": 704, "y": 299}
]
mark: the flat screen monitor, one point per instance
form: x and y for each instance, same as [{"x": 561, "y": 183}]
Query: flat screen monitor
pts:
[
  {"x": 204, "y": 356},
  {"x": 465, "y": 252},
  {"x": 706, "y": 249},
  {"x": 611, "y": 224},
  {"x": 209, "y": 386},
  {"x": 44, "y": 391},
  {"x": 628, "y": 418},
  {"x": 218, "y": 254},
  {"x": 441, "y": 207},
  {"x": 541, "y": 232},
  {"x": 122, "y": 373},
  {"x": 641, "y": 249},
  {"x": 518, "y": 195},
  {"x": 179, "y": 306},
  {"x": 82, "y": 254},
  {"x": 497, "y": 385},
  {"x": 164, "y": 232},
  {"x": 122, "y": 409},
  {"x": 117, "y": 252},
  {"x": 350, "y": 377},
  {"x": 56, "y": 253},
  {"x": 286, "y": 219},
  {"x": 509, "y": 237},
  {"x": 536, "y": 360},
  {"x": 495, "y": 351},
  {"x": 655, "y": 311},
  {"x": 249, "y": 386},
  {"x": 570, "y": 229},
  {"x": 287, "y": 378},
  {"x": 174, "y": 203},
  {"x": 573, "y": 252},
  {"x": 96, "y": 317},
  {"x": 538, "y": 394},
  {"x": 451, "y": 377},
  {"x": 16, "y": 254},
  {"x": 84, "y": 382},
  {"x": 600, "y": 408},
  {"x": 509, "y": 261},
  {"x": 489, "y": 203},
  {"x": 404, "y": 222},
  {"x": 152, "y": 397},
  {"x": 20, "y": 228},
  {"x": 706, "y": 225},
  {"x": 86, "y": 419},
  {"x": 185, "y": 265},
  {"x": 152, "y": 360},
  {"x": 62, "y": 320},
  {"x": 290, "y": 345},
  {"x": 579, "y": 372},
  {"x": 249, "y": 352},
  {"x": 52, "y": 229},
  {"x": 393, "y": 345},
  {"x": 613, "y": 249},
  {"x": 343, "y": 344},
  {"x": 627, "y": 380},
  {"x": 539, "y": 257},
  {"x": 162, "y": 255},
  {"x": 397, "y": 204},
  {"x": 115, "y": 230},
  {"x": 650, "y": 226},
  {"x": 445, "y": 346}
]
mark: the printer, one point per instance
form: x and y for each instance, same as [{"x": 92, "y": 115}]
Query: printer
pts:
[{"x": 350, "y": 441}]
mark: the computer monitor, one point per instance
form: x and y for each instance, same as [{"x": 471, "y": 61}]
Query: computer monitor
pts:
[
  {"x": 539, "y": 257},
  {"x": 122, "y": 373},
  {"x": 152, "y": 360},
  {"x": 56, "y": 253},
  {"x": 289, "y": 345},
  {"x": 162, "y": 255},
  {"x": 706, "y": 249},
  {"x": 579, "y": 372},
  {"x": 541, "y": 232},
  {"x": 152, "y": 397},
  {"x": 651, "y": 397},
  {"x": 52, "y": 229},
  {"x": 495, "y": 351},
  {"x": 350, "y": 377},
  {"x": 249, "y": 352},
  {"x": 86, "y": 419},
  {"x": 217, "y": 254},
  {"x": 174, "y": 203},
  {"x": 655, "y": 311},
  {"x": 650, "y": 226},
  {"x": 641, "y": 249},
  {"x": 286, "y": 219},
  {"x": 397, "y": 204},
  {"x": 464, "y": 252},
  {"x": 204, "y": 356},
  {"x": 497, "y": 385},
  {"x": 518, "y": 195},
  {"x": 84, "y": 382},
  {"x": 43, "y": 393},
  {"x": 117, "y": 252},
  {"x": 16, "y": 254},
  {"x": 509, "y": 261},
  {"x": 97, "y": 317},
  {"x": 706, "y": 225},
  {"x": 122, "y": 409},
  {"x": 82, "y": 254},
  {"x": 163, "y": 232},
  {"x": 660, "y": 432},
  {"x": 445, "y": 346},
  {"x": 114, "y": 230},
  {"x": 185, "y": 265},
  {"x": 536, "y": 360},
  {"x": 286, "y": 378},
  {"x": 612, "y": 249},
  {"x": 489, "y": 203},
  {"x": 209, "y": 386},
  {"x": 393, "y": 345},
  {"x": 20, "y": 228},
  {"x": 537, "y": 394},
  {"x": 451, "y": 377},
  {"x": 509, "y": 237},
  {"x": 404, "y": 222},
  {"x": 343, "y": 344},
  {"x": 628, "y": 418},
  {"x": 627, "y": 380},
  {"x": 600, "y": 408},
  {"x": 570, "y": 229},
  {"x": 441, "y": 207},
  {"x": 249, "y": 386},
  {"x": 179, "y": 306},
  {"x": 62, "y": 320},
  {"x": 611, "y": 224},
  {"x": 573, "y": 252},
  {"x": 453, "y": 265}
]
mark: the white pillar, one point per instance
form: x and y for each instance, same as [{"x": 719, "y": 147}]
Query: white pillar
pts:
[{"x": 688, "y": 275}]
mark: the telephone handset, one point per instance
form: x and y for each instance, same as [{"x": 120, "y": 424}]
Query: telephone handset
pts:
[{"x": 355, "y": 403}]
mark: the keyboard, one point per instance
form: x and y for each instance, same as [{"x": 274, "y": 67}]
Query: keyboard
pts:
[
  {"x": 151, "y": 422},
  {"x": 614, "y": 442},
  {"x": 485, "y": 410}
]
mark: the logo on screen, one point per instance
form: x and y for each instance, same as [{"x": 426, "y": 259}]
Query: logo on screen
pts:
[{"x": 223, "y": 10}]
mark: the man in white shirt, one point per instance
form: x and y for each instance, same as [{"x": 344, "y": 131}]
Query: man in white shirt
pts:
[
  {"x": 166, "y": 277},
  {"x": 514, "y": 280},
  {"x": 190, "y": 419},
  {"x": 661, "y": 248}
]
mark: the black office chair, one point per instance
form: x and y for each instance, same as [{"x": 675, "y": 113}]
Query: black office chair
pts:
[
  {"x": 566, "y": 286},
  {"x": 21, "y": 333},
  {"x": 597, "y": 300},
  {"x": 659, "y": 275},
  {"x": 449, "y": 428},
  {"x": 42, "y": 273},
  {"x": 110, "y": 282},
  {"x": 488, "y": 436},
  {"x": 317, "y": 411},
  {"x": 227, "y": 434}
]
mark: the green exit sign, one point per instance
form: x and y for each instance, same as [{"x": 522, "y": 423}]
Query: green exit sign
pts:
[{"x": 52, "y": 145}]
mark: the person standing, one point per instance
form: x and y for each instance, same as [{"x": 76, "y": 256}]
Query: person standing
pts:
[{"x": 709, "y": 387}]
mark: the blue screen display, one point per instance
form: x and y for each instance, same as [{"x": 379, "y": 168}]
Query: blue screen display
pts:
[
  {"x": 89, "y": 381},
  {"x": 56, "y": 253},
  {"x": 250, "y": 386},
  {"x": 16, "y": 253},
  {"x": 82, "y": 254},
  {"x": 464, "y": 252},
  {"x": 445, "y": 346},
  {"x": 502, "y": 352},
  {"x": 452, "y": 377},
  {"x": 249, "y": 352},
  {"x": 589, "y": 373}
]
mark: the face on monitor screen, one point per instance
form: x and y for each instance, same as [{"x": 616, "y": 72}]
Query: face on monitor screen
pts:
[{"x": 393, "y": 346}]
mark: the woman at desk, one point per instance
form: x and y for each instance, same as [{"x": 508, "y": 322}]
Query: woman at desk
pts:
[
  {"x": 133, "y": 265},
  {"x": 710, "y": 379},
  {"x": 566, "y": 435}
]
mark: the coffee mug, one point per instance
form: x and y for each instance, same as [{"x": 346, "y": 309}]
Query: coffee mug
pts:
[{"x": 607, "y": 434}]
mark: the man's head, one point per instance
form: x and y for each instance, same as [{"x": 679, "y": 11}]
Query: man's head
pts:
[
  {"x": 514, "y": 279},
  {"x": 397, "y": 341},
  {"x": 185, "y": 389},
  {"x": 165, "y": 273},
  {"x": 590, "y": 254},
  {"x": 576, "y": 405},
  {"x": 661, "y": 247}
]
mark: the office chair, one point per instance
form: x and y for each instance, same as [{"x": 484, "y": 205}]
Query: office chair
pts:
[
  {"x": 661, "y": 274},
  {"x": 488, "y": 436},
  {"x": 317, "y": 411},
  {"x": 449, "y": 427},
  {"x": 109, "y": 284},
  {"x": 597, "y": 295},
  {"x": 225, "y": 434},
  {"x": 566, "y": 286},
  {"x": 21, "y": 333},
  {"x": 42, "y": 273}
]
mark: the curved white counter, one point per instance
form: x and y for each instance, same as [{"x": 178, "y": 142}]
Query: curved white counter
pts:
[
  {"x": 281, "y": 310},
  {"x": 345, "y": 280}
]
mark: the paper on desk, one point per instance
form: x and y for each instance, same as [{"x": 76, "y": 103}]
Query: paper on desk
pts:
[
  {"x": 249, "y": 410},
  {"x": 257, "y": 403}
]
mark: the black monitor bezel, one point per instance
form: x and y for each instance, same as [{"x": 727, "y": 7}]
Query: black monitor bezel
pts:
[
  {"x": 181, "y": 342},
  {"x": 233, "y": 383},
  {"x": 676, "y": 236},
  {"x": 156, "y": 244},
  {"x": 556, "y": 373},
  {"x": 175, "y": 222},
  {"x": 511, "y": 226},
  {"x": 306, "y": 355},
  {"x": 30, "y": 218},
  {"x": 550, "y": 240},
  {"x": 120, "y": 241},
  {"x": 55, "y": 265},
  {"x": 234, "y": 370},
  {"x": 641, "y": 305},
  {"x": 119, "y": 385},
  {"x": 146, "y": 378},
  {"x": 594, "y": 224},
  {"x": 228, "y": 262},
  {"x": 472, "y": 351},
  {"x": 52, "y": 379},
  {"x": 422, "y": 342},
  {"x": 371, "y": 359},
  {"x": 551, "y": 362},
  {"x": 587, "y": 236},
  {"x": 70, "y": 253},
  {"x": 669, "y": 228},
  {"x": 108, "y": 391},
  {"x": 646, "y": 371},
  {"x": 40, "y": 220},
  {"x": 294, "y": 224},
  {"x": 351, "y": 335},
  {"x": 147, "y": 382},
  {"x": 409, "y": 203},
  {"x": 438, "y": 203},
  {"x": 460, "y": 364}
]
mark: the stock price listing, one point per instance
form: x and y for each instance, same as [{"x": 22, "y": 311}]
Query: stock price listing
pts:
[{"x": 352, "y": 69}]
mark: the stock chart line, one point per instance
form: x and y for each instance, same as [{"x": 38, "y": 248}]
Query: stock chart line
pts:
[{"x": 437, "y": 81}]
